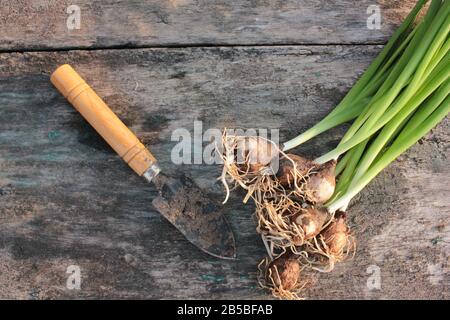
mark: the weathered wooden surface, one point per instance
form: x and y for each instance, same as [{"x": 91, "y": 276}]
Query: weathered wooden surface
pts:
[
  {"x": 67, "y": 199},
  {"x": 41, "y": 24}
]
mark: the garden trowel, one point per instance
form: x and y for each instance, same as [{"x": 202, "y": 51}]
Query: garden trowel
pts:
[{"x": 180, "y": 200}]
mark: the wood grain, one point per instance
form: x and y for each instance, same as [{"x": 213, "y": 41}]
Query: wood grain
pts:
[
  {"x": 67, "y": 199},
  {"x": 42, "y": 25}
]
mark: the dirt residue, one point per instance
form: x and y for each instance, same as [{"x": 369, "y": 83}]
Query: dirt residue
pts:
[{"x": 190, "y": 210}]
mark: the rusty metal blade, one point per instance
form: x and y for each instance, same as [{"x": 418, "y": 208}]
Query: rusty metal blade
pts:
[{"x": 195, "y": 215}]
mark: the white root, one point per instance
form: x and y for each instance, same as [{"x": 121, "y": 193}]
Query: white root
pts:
[{"x": 279, "y": 206}]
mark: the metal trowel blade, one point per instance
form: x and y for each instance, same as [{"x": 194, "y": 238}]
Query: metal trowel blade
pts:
[{"x": 195, "y": 215}]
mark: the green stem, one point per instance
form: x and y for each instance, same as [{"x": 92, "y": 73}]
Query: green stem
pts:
[
  {"x": 413, "y": 125},
  {"x": 388, "y": 132},
  {"x": 394, "y": 136},
  {"x": 342, "y": 163},
  {"x": 375, "y": 65},
  {"x": 436, "y": 60},
  {"x": 367, "y": 77},
  {"x": 421, "y": 58},
  {"x": 405, "y": 140},
  {"x": 397, "y": 53},
  {"x": 328, "y": 123},
  {"x": 394, "y": 75},
  {"x": 418, "y": 98},
  {"x": 365, "y": 114},
  {"x": 390, "y": 128},
  {"x": 346, "y": 176}
]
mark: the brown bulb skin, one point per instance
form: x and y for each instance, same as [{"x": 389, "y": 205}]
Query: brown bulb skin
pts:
[
  {"x": 311, "y": 221},
  {"x": 284, "y": 271},
  {"x": 320, "y": 185},
  {"x": 285, "y": 176},
  {"x": 336, "y": 235}
]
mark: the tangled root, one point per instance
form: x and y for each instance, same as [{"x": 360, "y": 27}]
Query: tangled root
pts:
[
  {"x": 241, "y": 166},
  {"x": 249, "y": 162},
  {"x": 287, "y": 224},
  {"x": 296, "y": 231},
  {"x": 334, "y": 244}
]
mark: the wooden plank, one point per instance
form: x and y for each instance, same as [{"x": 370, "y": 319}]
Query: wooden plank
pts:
[
  {"x": 67, "y": 199},
  {"x": 39, "y": 25}
]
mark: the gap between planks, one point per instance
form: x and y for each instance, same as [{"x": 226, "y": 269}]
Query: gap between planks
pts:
[{"x": 186, "y": 46}]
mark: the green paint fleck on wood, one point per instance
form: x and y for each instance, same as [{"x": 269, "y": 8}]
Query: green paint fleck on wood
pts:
[
  {"x": 212, "y": 278},
  {"x": 53, "y": 135}
]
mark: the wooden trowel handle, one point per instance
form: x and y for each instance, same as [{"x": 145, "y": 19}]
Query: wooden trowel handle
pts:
[{"x": 103, "y": 119}]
